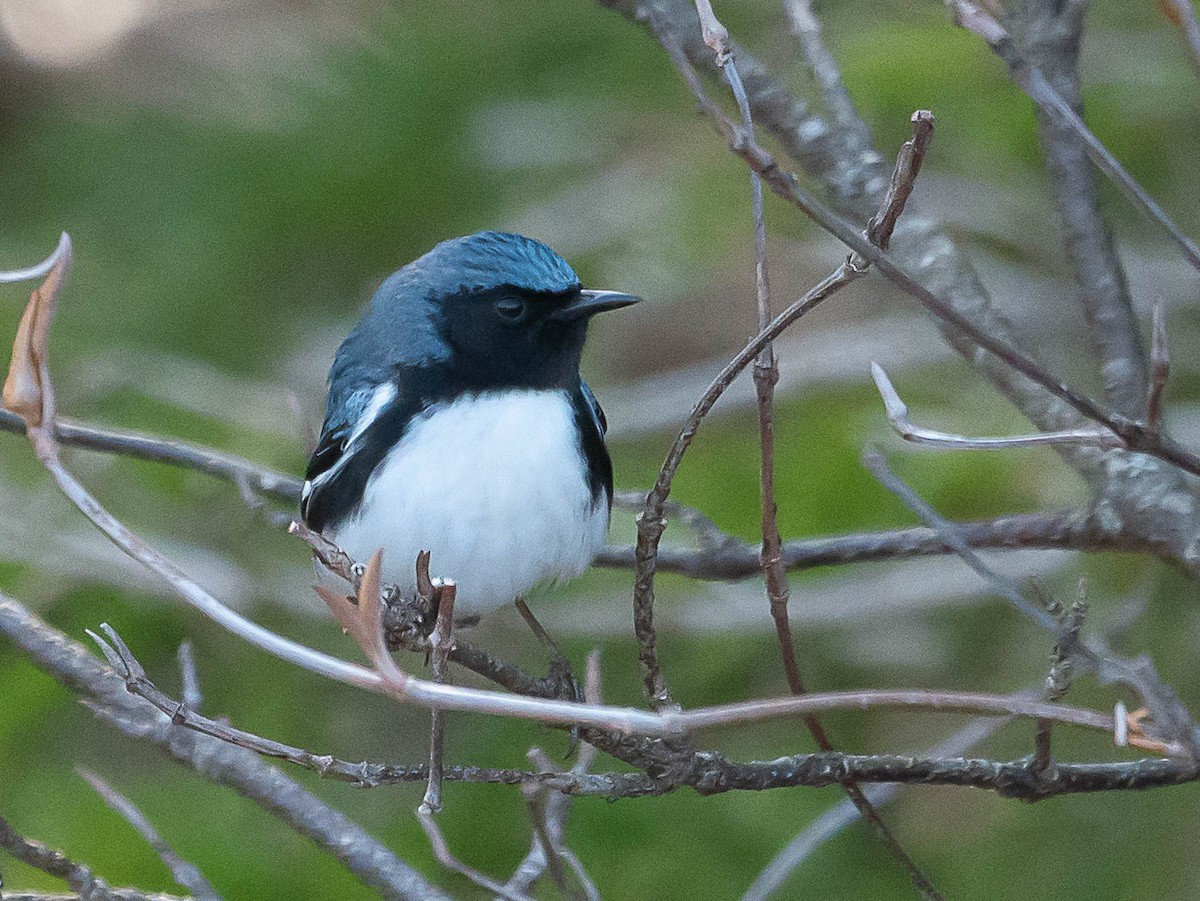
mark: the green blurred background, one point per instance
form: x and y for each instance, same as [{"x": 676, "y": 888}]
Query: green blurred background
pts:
[{"x": 238, "y": 177}]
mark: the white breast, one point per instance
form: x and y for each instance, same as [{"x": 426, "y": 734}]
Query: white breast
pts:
[{"x": 495, "y": 487}]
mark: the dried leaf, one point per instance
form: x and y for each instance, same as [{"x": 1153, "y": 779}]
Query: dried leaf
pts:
[
  {"x": 342, "y": 607},
  {"x": 27, "y": 389},
  {"x": 370, "y": 613}
]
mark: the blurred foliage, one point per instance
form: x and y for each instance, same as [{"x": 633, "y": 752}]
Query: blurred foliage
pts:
[{"x": 238, "y": 218}]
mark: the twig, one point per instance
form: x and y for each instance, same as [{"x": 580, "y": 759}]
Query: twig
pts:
[
  {"x": 739, "y": 560},
  {"x": 897, "y": 414},
  {"x": 766, "y": 374},
  {"x": 79, "y": 877},
  {"x": 440, "y": 640},
  {"x": 1170, "y": 715},
  {"x": 838, "y": 817},
  {"x": 186, "y": 874},
  {"x": 207, "y": 460},
  {"x": 1134, "y": 433},
  {"x": 849, "y": 124},
  {"x": 1182, "y": 15},
  {"x": 1030, "y": 79},
  {"x": 68, "y": 662},
  {"x": 550, "y": 813},
  {"x": 361, "y": 774},
  {"x": 1062, "y": 667},
  {"x": 190, "y": 680},
  {"x": 1051, "y": 35},
  {"x": 651, "y": 522},
  {"x": 1160, "y": 368},
  {"x": 441, "y": 850},
  {"x": 42, "y": 269}
]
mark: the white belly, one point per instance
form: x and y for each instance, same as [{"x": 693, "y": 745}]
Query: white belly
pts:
[{"x": 495, "y": 487}]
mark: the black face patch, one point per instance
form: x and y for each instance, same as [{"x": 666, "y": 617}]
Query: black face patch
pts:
[{"x": 506, "y": 337}]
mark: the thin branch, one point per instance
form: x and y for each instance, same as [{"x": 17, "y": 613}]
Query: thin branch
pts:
[
  {"x": 69, "y": 663},
  {"x": 1182, "y": 15},
  {"x": 843, "y": 814},
  {"x": 79, "y": 877},
  {"x": 1171, "y": 717},
  {"x": 838, "y": 102},
  {"x": 361, "y": 774},
  {"x": 228, "y": 467},
  {"x": 1136, "y": 435},
  {"x": 440, "y": 640},
  {"x": 1160, "y": 368},
  {"x": 1051, "y": 33},
  {"x": 189, "y": 679},
  {"x": 897, "y": 414},
  {"x": 42, "y": 269},
  {"x": 184, "y": 873},
  {"x": 441, "y": 850},
  {"x": 1050, "y": 103},
  {"x": 549, "y": 811},
  {"x": 739, "y": 560}
]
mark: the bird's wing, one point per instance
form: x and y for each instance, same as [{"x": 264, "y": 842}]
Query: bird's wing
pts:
[
  {"x": 346, "y": 422},
  {"x": 589, "y": 418},
  {"x": 594, "y": 408}
]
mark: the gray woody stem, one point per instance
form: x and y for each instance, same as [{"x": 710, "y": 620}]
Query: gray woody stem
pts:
[{"x": 224, "y": 763}]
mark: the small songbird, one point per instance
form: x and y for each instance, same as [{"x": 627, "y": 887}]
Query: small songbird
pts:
[{"x": 458, "y": 423}]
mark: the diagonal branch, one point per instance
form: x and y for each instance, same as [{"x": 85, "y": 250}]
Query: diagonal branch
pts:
[
  {"x": 183, "y": 872},
  {"x": 1050, "y": 33},
  {"x": 1030, "y": 79},
  {"x": 240, "y": 769}
]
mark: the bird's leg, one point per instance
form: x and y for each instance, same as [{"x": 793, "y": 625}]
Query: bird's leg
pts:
[{"x": 560, "y": 668}]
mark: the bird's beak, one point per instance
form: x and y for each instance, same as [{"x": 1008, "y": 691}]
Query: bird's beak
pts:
[{"x": 589, "y": 303}]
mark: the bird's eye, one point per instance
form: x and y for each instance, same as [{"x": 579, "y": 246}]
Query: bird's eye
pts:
[{"x": 510, "y": 309}]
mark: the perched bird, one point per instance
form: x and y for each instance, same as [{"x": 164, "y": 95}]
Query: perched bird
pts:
[{"x": 458, "y": 423}]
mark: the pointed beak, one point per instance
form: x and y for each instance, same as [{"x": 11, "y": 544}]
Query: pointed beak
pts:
[{"x": 589, "y": 303}]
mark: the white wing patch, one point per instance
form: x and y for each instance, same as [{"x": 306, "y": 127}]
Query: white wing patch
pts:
[{"x": 381, "y": 396}]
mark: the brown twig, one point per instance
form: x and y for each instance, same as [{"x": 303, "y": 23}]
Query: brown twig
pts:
[
  {"x": 440, "y": 640},
  {"x": 548, "y": 812},
  {"x": 766, "y": 375},
  {"x": 1134, "y": 433}
]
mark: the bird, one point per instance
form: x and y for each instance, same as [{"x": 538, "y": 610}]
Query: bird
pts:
[{"x": 457, "y": 423}]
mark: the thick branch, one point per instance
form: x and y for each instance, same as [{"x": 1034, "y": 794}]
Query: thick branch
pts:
[{"x": 1050, "y": 33}]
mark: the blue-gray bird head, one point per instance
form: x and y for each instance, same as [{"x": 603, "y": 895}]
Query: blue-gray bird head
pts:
[{"x": 485, "y": 311}]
